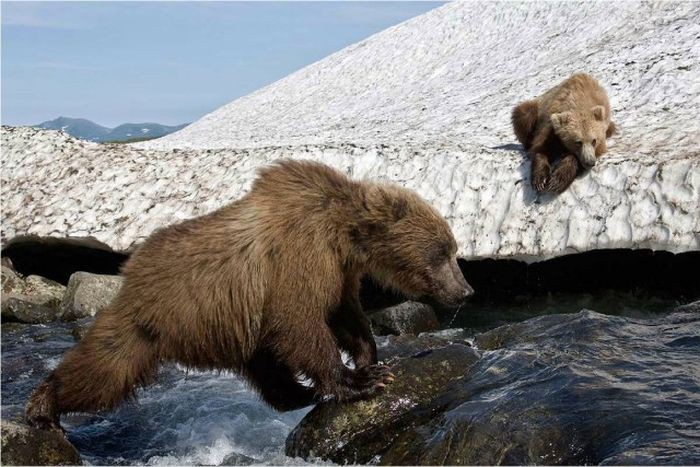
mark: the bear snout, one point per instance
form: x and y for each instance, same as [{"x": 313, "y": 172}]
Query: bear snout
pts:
[
  {"x": 587, "y": 157},
  {"x": 468, "y": 291},
  {"x": 463, "y": 295},
  {"x": 454, "y": 288}
]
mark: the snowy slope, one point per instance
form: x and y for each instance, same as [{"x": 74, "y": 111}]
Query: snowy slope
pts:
[
  {"x": 425, "y": 104},
  {"x": 455, "y": 73}
]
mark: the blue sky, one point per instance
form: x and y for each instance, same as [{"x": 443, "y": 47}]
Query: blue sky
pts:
[{"x": 167, "y": 62}]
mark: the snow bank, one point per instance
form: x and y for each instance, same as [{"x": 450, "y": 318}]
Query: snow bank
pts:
[
  {"x": 455, "y": 73},
  {"x": 425, "y": 104}
]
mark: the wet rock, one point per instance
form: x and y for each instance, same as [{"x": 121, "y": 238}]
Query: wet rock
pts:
[
  {"x": 32, "y": 299},
  {"x": 584, "y": 388},
  {"x": 355, "y": 433},
  {"x": 88, "y": 294},
  {"x": 238, "y": 459},
  {"x": 405, "y": 318},
  {"x": 22, "y": 445}
]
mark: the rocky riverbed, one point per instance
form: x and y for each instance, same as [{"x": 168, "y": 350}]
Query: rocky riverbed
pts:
[{"x": 577, "y": 387}]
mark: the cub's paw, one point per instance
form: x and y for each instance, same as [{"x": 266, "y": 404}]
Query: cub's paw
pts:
[
  {"x": 540, "y": 180},
  {"x": 559, "y": 182}
]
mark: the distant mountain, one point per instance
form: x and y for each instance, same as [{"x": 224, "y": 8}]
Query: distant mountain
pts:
[
  {"x": 127, "y": 131},
  {"x": 91, "y": 131},
  {"x": 78, "y": 127}
]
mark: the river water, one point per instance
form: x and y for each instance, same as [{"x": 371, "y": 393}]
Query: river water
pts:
[{"x": 207, "y": 418}]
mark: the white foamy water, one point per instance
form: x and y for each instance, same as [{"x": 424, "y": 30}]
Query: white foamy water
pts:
[{"x": 187, "y": 418}]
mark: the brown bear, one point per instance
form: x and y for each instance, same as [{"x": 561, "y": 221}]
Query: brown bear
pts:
[
  {"x": 266, "y": 286},
  {"x": 570, "y": 122}
]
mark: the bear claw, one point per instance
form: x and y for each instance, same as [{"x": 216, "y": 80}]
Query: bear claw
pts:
[
  {"x": 373, "y": 375},
  {"x": 539, "y": 183}
]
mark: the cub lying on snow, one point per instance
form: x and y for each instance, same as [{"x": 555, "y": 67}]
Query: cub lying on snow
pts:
[
  {"x": 267, "y": 286},
  {"x": 569, "y": 122}
]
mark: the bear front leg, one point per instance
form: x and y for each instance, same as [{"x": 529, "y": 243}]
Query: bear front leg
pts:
[
  {"x": 563, "y": 175},
  {"x": 540, "y": 171},
  {"x": 353, "y": 332},
  {"x": 313, "y": 351},
  {"x": 277, "y": 383}
]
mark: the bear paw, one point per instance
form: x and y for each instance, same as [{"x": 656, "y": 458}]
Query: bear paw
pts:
[
  {"x": 371, "y": 375},
  {"x": 364, "y": 383},
  {"x": 540, "y": 180},
  {"x": 560, "y": 181}
]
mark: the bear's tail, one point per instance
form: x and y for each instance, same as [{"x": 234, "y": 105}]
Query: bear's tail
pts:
[
  {"x": 524, "y": 119},
  {"x": 110, "y": 362}
]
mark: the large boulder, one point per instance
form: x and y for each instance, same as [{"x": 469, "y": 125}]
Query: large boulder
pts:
[
  {"x": 87, "y": 294},
  {"x": 584, "y": 388},
  {"x": 23, "y": 445},
  {"x": 9, "y": 279},
  {"x": 404, "y": 318},
  {"x": 355, "y": 433},
  {"x": 33, "y": 299}
]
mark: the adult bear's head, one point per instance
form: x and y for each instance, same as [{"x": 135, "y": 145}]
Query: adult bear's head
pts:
[{"x": 408, "y": 246}]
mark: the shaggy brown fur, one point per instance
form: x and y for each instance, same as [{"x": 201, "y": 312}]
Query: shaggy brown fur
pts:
[
  {"x": 267, "y": 287},
  {"x": 569, "y": 122}
]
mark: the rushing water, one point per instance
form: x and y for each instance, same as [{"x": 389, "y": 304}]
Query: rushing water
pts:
[
  {"x": 208, "y": 418},
  {"x": 185, "y": 418}
]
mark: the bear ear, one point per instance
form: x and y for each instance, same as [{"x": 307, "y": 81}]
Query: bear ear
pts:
[
  {"x": 598, "y": 112},
  {"x": 559, "y": 120},
  {"x": 612, "y": 130},
  {"x": 383, "y": 202}
]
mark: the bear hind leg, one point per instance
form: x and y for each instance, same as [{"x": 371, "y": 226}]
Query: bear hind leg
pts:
[
  {"x": 524, "y": 120},
  {"x": 112, "y": 360},
  {"x": 42, "y": 409}
]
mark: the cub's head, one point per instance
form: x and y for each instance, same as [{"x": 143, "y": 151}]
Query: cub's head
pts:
[
  {"x": 407, "y": 246},
  {"x": 584, "y": 133}
]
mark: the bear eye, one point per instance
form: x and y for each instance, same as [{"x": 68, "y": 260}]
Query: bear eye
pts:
[
  {"x": 440, "y": 254},
  {"x": 579, "y": 142},
  {"x": 593, "y": 142}
]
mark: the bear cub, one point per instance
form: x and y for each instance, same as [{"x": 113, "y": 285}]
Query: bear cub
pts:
[
  {"x": 268, "y": 287},
  {"x": 569, "y": 124}
]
